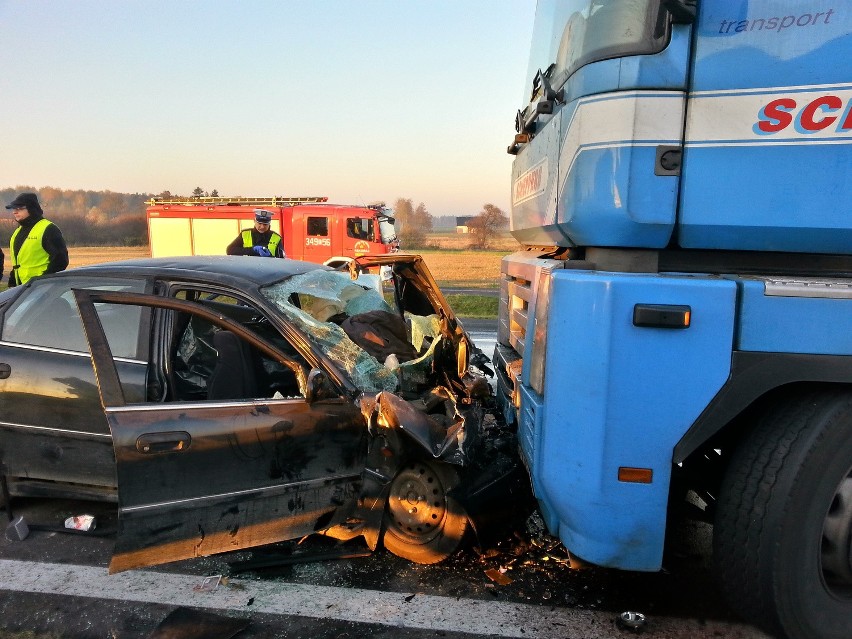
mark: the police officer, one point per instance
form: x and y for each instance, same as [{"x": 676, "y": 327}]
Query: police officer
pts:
[
  {"x": 37, "y": 246},
  {"x": 260, "y": 240}
]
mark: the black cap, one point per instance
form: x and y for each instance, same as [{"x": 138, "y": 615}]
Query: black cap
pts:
[
  {"x": 264, "y": 217},
  {"x": 27, "y": 201}
]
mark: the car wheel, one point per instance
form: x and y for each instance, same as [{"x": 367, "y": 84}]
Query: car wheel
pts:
[
  {"x": 783, "y": 532},
  {"x": 422, "y": 523}
]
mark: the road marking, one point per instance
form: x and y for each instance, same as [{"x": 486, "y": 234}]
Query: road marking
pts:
[{"x": 401, "y": 610}]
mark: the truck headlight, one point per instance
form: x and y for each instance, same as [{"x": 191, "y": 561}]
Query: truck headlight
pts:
[{"x": 539, "y": 345}]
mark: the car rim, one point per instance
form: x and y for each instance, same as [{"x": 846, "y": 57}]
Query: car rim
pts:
[
  {"x": 417, "y": 503},
  {"x": 837, "y": 541}
]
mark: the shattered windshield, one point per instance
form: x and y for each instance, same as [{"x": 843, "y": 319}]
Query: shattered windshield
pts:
[{"x": 355, "y": 327}]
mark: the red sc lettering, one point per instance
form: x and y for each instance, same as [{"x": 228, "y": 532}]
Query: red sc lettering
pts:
[
  {"x": 777, "y": 114},
  {"x": 832, "y": 102}
]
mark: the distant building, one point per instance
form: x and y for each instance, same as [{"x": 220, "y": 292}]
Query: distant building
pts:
[{"x": 462, "y": 223}]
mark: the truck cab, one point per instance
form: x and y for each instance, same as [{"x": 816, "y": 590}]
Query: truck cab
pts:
[
  {"x": 334, "y": 235},
  {"x": 673, "y": 336}
]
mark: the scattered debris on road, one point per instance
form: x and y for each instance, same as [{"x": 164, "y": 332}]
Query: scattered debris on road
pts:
[
  {"x": 17, "y": 530},
  {"x": 263, "y": 560},
  {"x": 81, "y": 522},
  {"x": 209, "y": 584}
]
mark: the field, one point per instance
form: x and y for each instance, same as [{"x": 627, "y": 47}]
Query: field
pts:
[
  {"x": 85, "y": 255},
  {"x": 452, "y": 264},
  {"x": 450, "y": 261}
]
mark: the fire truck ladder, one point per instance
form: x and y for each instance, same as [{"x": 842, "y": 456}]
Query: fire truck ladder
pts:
[{"x": 225, "y": 201}]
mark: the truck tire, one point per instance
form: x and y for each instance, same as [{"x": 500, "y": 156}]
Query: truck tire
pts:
[
  {"x": 422, "y": 522},
  {"x": 783, "y": 531}
]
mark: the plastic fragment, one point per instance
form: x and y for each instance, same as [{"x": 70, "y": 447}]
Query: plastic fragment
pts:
[
  {"x": 17, "y": 530},
  {"x": 208, "y": 584},
  {"x": 633, "y": 621},
  {"x": 81, "y": 522},
  {"x": 498, "y": 577}
]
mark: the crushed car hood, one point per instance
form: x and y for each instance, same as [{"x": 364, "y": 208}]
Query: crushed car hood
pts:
[{"x": 399, "y": 342}]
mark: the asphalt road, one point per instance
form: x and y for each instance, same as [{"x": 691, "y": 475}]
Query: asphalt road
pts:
[
  {"x": 480, "y": 328},
  {"x": 521, "y": 584}
]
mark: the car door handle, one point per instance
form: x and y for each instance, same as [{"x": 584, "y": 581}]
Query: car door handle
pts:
[
  {"x": 151, "y": 443},
  {"x": 5, "y": 371}
]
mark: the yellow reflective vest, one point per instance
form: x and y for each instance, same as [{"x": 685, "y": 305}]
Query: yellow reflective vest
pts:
[
  {"x": 32, "y": 260},
  {"x": 274, "y": 241}
]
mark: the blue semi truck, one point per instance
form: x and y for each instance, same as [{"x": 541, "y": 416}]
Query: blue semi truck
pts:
[{"x": 676, "y": 334}]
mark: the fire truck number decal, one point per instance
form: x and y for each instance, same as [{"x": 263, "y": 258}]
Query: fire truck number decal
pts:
[{"x": 318, "y": 241}]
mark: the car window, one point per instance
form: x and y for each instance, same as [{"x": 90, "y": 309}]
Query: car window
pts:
[
  {"x": 209, "y": 363},
  {"x": 46, "y": 315}
]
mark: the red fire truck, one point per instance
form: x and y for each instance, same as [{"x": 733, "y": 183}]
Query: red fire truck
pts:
[{"x": 311, "y": 229}]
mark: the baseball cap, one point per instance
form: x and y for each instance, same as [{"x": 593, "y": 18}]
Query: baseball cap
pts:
[{"x": 27, "y": 201}]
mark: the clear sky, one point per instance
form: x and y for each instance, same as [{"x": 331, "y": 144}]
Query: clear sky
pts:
[{"x": 356, "y": 100}]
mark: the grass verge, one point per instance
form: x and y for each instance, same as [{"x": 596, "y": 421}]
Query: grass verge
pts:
[{"x": 476, "y": 306}]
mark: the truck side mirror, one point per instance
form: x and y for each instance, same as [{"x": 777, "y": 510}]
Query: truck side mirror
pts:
[{"x": 683, "y": 11}]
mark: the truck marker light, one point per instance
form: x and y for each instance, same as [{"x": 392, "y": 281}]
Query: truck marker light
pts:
[
  {"x": 635, "y": 475},
  {"x": 662, "y": 315}
]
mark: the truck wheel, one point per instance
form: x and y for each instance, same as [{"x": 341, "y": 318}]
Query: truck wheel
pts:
[
  {"x": 422, "y": 523},
  {"x": 783, "y": 532}
]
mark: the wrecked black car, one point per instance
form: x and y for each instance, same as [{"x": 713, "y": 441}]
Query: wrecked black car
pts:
[{"x": 229, "y": 402}]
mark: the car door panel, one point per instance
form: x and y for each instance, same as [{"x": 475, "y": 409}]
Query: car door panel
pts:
[
  {"x": 203, "y": 477},
  {"x": 52, "y": 425}
]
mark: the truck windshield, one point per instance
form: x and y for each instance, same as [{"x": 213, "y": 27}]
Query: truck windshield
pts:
[{"x": 571, "y": 33}]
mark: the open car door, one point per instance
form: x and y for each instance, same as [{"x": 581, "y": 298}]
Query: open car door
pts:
[{"x": 197, "y": 478}]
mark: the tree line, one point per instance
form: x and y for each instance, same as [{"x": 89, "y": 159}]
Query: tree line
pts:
[
  {"x": 106, "y": 218},
  {"x": 87, "y": 218}
]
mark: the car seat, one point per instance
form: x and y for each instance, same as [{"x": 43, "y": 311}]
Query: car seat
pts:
[{"x": 233, "y": 375}]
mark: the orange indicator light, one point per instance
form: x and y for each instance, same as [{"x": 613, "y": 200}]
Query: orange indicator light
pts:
[{"x": 635, "y": 475}]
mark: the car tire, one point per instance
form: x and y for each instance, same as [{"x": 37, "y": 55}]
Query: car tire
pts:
[
  {"x": 422, "y": 522},
  {"x": 784, "y": 520}
]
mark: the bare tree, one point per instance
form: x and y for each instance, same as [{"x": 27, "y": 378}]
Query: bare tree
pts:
[
  {"x": 486, "y": 226},
  {"x": 415, "y": 224},
  {"x": 403, "y": 211}
]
